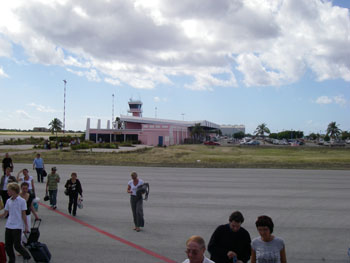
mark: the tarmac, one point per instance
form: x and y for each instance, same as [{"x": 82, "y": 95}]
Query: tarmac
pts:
[{"x": 310, "y": 210}]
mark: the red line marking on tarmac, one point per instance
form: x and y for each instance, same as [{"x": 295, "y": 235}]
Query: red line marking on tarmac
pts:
[{"x": 124, "y": 241}]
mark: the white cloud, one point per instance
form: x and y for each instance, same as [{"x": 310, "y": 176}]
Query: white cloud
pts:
[
  {"x": 159, "y": 99},
  {"x": 42, "y": 108},
  {"x": 5, "y": 48},
  {"x": 339, "y": 99},
  {"x": 144, "y": 43},
  {"x": 324, "y": 100},
  {"x": 23, "y": 115},
  {"x": 91, "y": 75},
  {"x": 2, "y": 73}
]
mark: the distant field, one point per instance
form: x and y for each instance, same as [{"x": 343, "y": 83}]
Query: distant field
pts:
[
  {"x": 208, "y": 156},
  {"x": 35, "y": 134}
]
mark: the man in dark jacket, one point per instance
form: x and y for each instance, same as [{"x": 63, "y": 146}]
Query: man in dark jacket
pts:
[{"x": 230, "y": 242}]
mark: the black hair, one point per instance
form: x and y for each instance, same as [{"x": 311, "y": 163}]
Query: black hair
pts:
[
  {"x": 237, "y": 217},
  {"x": 265, "y": 221}
]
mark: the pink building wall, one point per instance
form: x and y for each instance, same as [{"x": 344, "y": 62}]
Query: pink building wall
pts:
[
  {"x": 133, "y": 126},
  {"x": 171, "y": 134}
]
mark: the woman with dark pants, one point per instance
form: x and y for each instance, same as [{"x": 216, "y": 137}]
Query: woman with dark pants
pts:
[
  {"x": 136, "y": 201},
  {"x": 74, "y": 188}
]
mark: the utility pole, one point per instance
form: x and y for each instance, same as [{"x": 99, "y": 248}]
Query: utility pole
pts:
[
  {"x": 183, "y": 116},
  {"x": 113, "y": 120},
  {"x": 64, "y": 106}
]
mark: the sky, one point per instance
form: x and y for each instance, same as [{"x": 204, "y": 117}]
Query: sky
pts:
[{"x": 285, "y": 63}]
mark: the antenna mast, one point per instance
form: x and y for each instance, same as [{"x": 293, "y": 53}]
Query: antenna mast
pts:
[{"x": 64, "y": 106}]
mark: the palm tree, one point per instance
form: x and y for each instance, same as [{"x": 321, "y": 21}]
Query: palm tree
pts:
[
  {"x": 55, "y": 126},
  {"x": 197, "y": 131},
  {"x": 118, "y": 122},
  {"x": 261, "y": 130},
  {"x": 333, "y": 130}
]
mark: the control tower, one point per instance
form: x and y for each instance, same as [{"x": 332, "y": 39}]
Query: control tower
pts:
[{"x": 135, "y": 107}]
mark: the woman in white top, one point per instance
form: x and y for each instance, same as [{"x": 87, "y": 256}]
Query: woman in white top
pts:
[
  {"x": 136, "y": 201},
  {"x": 267, "y": 247},
  {"x": 28, "y": 179}
]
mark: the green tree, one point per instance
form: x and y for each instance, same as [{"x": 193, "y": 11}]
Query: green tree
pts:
[
  {"x": 345, "y": 135},
  {"x": 313, "y": 136},
  {"x": 261, "y": 130},
  {"x": 55, "y": 126},
  {"x": 239, "y": 135},
  {"x": 118, "y": 122},
  {"x": 197, "y": 132},
  {"x": 333, "y": 130}
]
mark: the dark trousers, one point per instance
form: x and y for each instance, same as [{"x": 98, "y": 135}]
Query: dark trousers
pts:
[
  {"x": 39, "y": 173},
  {"x": 137, "y": 210},
  {"x": 73, "y": 201},
  {"x": 13, "y": 239},
  {"x": 4, "y": 196}
]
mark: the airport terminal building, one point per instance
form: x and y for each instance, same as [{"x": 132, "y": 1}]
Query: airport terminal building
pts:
[
  {"x": 229, "y": 130},
  {"x": 149, "y": 131}
]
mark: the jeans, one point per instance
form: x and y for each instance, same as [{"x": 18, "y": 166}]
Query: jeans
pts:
[
  {"x": 53, "y": 197},
  {"x": 137, "y": 210},
  {"x": 39, "y": 172},
  {"x": 13, "y": 238}
]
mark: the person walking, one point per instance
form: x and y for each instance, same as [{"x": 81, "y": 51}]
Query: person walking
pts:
[
  {"x": 73, "y": 187},
  {"x": 30, "y": 209},
  {"x": 28, "y": 179},
  {"x": 7, "y": 162},
  {"x": 267, "y": 247},
  {"x": 51, "y": 186},
  {"x": 195, "y": 249},
  {"x": 230, "y": 242},
  {"x": 15, "y": 209},
  {"x": 38, "y": 165},
  {"x": 136, "y": 201},
  {"x": 5, "y": 180}
]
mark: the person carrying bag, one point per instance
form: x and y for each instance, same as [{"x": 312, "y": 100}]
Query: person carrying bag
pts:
[{"x": 73, "y": 188}]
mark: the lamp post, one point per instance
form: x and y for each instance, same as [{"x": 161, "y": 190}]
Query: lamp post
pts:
[{"x": 64, "y": 106}]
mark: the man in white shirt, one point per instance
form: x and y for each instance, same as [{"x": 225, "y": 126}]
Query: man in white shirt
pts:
[
  {"x": 195, "y": 248},
  {"x": 16, "y": 208}
]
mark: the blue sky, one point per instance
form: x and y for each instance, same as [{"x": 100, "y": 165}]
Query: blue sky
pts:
[{"x": 285, "y": 63}]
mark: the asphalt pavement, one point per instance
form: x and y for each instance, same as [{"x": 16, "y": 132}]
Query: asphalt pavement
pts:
[{"x": 310, "y": 209}]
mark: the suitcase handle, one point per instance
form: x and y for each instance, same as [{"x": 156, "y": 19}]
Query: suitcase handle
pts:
[{"x": 37, "y": 220}]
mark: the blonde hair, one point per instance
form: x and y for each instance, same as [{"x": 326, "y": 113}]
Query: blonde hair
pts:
[
  {"x": 14, "y": 187},
  {"x": 197, "y": 239}
]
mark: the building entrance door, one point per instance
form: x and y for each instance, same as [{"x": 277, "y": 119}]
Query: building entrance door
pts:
[{"x": 160, "y": 140}]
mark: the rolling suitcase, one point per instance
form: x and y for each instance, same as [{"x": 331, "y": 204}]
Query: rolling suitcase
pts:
[
  {"x": 39, "y": 252},
  {"x": 34, "y": 232}
]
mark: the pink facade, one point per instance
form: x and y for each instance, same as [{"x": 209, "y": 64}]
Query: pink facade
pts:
[{"x": 161, "y": 134}]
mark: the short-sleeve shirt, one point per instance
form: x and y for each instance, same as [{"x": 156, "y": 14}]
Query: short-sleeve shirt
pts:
[
  {"x": 134, "y": 187},
  {"x": 268, "y": 252},
  {"x": 29, "y": 181},
  {"x": 38, "y": 163},
  {"x": 205, "y": 260},
  {"x": 52, "y": 181},
  {"x": 15, "y": 208}
]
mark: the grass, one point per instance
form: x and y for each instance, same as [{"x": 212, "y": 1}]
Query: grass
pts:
[{"x": 207, "y": 156}]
